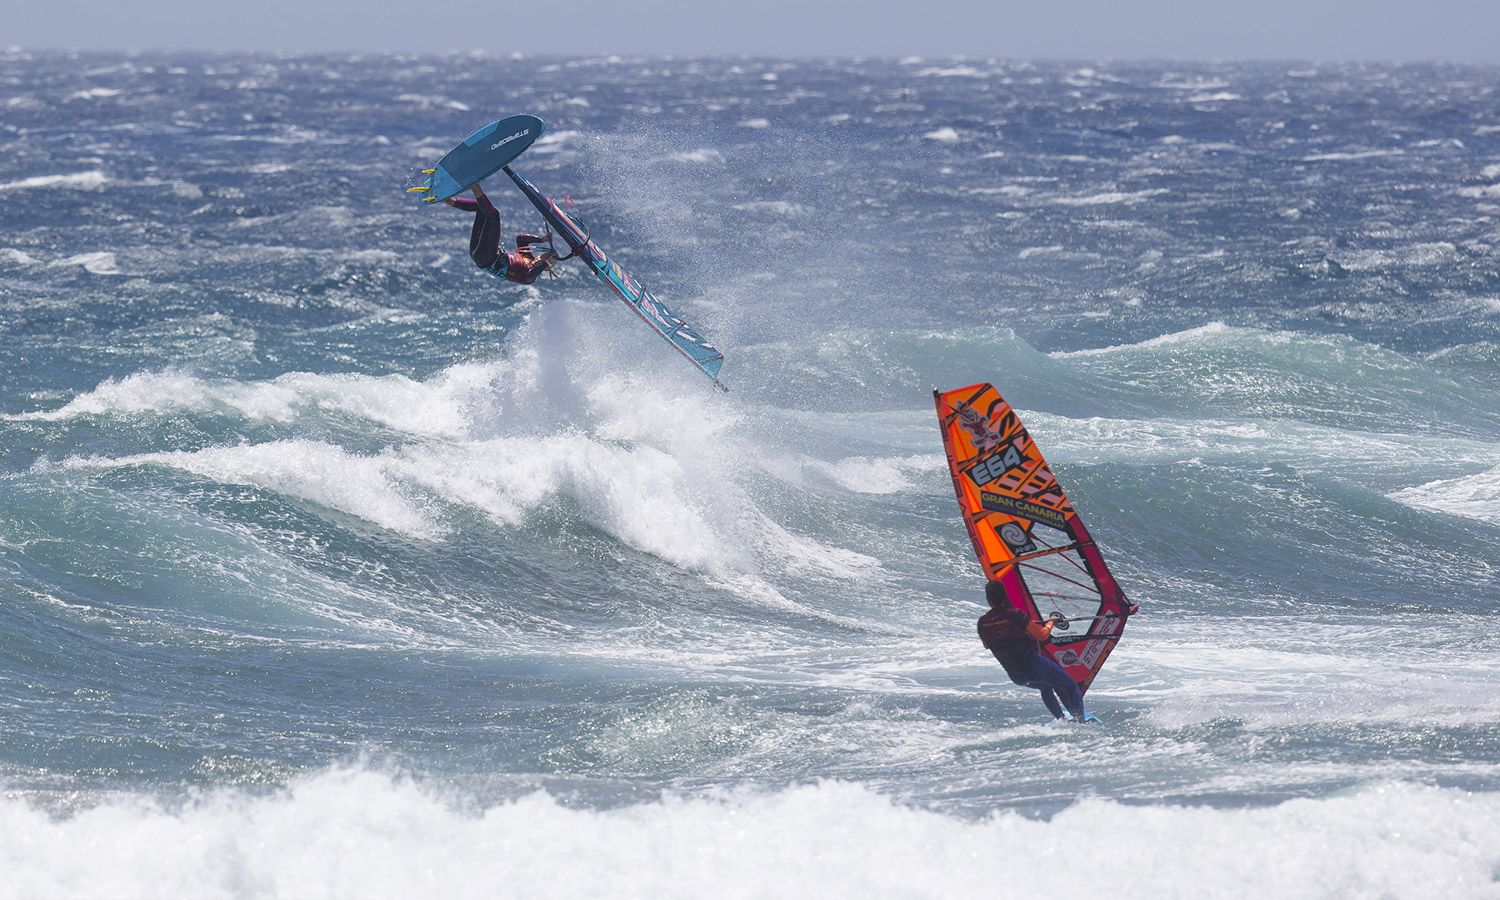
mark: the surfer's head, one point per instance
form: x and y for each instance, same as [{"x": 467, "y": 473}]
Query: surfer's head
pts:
[{"x": 994, "y": 592}]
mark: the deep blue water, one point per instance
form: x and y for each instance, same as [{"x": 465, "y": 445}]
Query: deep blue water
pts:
[{"x": 332, "y": 566}]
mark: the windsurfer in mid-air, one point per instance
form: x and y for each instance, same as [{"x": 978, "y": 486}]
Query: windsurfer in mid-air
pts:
[
  {"x": 1016, "y": 640},
  {"x": 521, "y": 267}
]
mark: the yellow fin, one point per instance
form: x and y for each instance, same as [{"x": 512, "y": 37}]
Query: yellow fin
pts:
[
  {"x": 419, "y": 189},
  {"x": 428, "y": 171}
]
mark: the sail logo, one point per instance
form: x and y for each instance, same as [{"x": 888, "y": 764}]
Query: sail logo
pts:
[
  {"x": 1016, "y": 538},
  {"x": 1108, "y": 625},
  {"x": 996, "y": 465},
  {"x": 984, "y": 437},
  {"x": 1022, "y": 509},
  {"x": 503, "y": 141}
]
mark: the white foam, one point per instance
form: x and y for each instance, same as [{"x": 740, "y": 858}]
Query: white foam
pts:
[
  {"x": 638, "y": 494},
  {"x": 95, "y": 93},
  {"x": 1164, "y": 441},
  {"x": 432, "y": 408},
  {"x": 776, "y": 207},
  {"x": 132, "y": 394},
  {"x": 100, "y": 262},
  {"x": 1190, "y": 335},
  {"x": 1009, "y": 190},
  {"x": 1196, "y": 83},
  {"x": 1187, "y": 676},
  {"x": 355, "y": 484},
  {"x": 952, "y": 72},
  {"x": 17, "y": 257},
  {"x": 1436, "y": 253},
  {"x": 755, "y": 123},
  {"x": 873, "y": 475},
  {"x": 585, "y": 413},
  {"x": 553, "y": 141},
  {"x": 1353, "y": 154},
  {"x": 702, "y": 156},
  {"x": 1472, "y": 497},
  {"x": 82, "y": 181},
  {"x": 1109, "y": 197},
  {"x": 945, "y": 135},
  {"x": 357, "y": 833}
]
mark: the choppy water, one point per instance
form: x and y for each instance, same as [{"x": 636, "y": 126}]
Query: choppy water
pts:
[{"x": 333, "y": 567}]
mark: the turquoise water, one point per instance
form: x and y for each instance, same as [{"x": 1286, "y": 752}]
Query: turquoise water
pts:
[{"x": 333, "y": 566}]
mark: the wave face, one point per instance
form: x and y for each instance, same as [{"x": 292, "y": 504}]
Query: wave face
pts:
[{"x": 329, "y": 561}]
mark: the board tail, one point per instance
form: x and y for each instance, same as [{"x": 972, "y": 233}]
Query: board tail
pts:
[{"x": 481, "y": 155}]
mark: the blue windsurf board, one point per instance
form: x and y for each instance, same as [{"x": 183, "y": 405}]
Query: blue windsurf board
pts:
[{"x": 481, "y": 155}]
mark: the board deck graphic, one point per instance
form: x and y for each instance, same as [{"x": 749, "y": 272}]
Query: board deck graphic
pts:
[{"x": 479, "y": 156}]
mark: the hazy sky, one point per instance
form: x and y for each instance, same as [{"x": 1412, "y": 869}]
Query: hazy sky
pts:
[{"x": 1396, "y": 30}]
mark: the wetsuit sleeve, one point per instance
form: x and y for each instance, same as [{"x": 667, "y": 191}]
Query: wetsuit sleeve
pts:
[
  {"x": 466, "y": 205},
  {"x": 1039, "y": 630}
]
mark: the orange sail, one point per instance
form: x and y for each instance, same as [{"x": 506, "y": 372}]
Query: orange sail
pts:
[{"x": 1026, "y": 532}]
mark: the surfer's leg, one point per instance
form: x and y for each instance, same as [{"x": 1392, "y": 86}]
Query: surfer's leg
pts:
[
  {"x": 1049, "y": 677},
  {"x": 1050, "y": 698},
  {"x": 484, "y": 240},
  {"x": 1073, "y": 697},
  {"x": 1059, "y": 680}
]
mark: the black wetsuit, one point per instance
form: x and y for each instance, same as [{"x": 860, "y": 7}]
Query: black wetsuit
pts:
[
  {"x": 1003, "y": 631},
  {"x": 484, "y": 245}
]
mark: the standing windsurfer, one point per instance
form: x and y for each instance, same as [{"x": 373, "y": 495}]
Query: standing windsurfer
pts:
[
  {"x": 1015, "y": 639},
  {"x": 522, "y": 267}
]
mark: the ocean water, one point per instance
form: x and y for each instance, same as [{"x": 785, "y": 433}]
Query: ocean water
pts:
[{"x": 331, "y": 566}]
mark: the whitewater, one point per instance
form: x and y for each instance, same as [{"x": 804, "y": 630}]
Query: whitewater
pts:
[{"x": 332, "y": 566}]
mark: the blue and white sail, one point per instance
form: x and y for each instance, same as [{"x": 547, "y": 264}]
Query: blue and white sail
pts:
[{"x": 656, "y": 313}]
